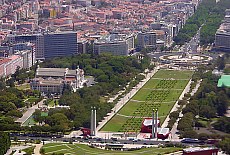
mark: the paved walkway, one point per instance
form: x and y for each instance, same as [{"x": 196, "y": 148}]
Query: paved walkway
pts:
[
  {"x": 29, "y": 112},
  {"x": 37, "y": 149},
  {"x": 228, "y": 112},
  {"x": 16, "y": 148},
  {"x": 125, "y": 99},
  {"x": 175, "y": 136}
]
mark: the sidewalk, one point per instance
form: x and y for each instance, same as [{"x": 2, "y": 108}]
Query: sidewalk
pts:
[
  {"x": 37, "y": 149},
  {"x": 29, "y": 112}
]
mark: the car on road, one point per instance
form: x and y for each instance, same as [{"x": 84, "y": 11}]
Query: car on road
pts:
[{"x": 190, "y": 140}]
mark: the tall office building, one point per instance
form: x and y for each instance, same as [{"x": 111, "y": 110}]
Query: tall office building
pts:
[
  {"x": 36, "y": 39},
  {"x": 117, "y": 44},
  {"x": 49, "y": 45},
  {"x": 222, "y": 37},
  {"x": 146, "y": 39},
  {"x": 60, "y": 44},
  {"x": 222, "y": 41}
]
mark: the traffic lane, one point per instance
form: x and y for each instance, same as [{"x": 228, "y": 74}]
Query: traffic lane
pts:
[{"x": 120, "y": 141}]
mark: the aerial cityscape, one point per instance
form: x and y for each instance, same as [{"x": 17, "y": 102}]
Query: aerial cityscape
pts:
[{"x": 88, "y": 77}]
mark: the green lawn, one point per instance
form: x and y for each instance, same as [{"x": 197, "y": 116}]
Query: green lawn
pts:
[
  {"x": 141, "y": 94},
  {"x": 29, "y": 121},
  {"x": 130, "y": 107},
  {"x": 159, "y": 93},
  {"x": 32, "y": 99},
  {"x": 173, "y": 95},
  {"x": 81, "y": 149},
  {"x": 115, "y": 123},
  {"x": 180, "y": 84},
  {"x": 152, "y": 83},
  {"x": 174, "y": 74},
  {"x": 29, "y": 150},
  {"x": 23, "y": 87}
]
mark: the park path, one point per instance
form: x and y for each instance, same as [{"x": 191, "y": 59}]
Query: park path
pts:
[
  {"x": 16, "y": 148},
  {"x": 29, "y": 112},
  {"x": 228, "y": 112},
  {"x": 175, "y": 136},
  {"x": 37, "y": 149},
  {"x": 125, "y": 99}
]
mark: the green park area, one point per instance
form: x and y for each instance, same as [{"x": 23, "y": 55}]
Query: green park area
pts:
[
  {"x": 23, "y": 86},
  {"x": 161, "y": 92},
  {"x": 81, "y": 149}
]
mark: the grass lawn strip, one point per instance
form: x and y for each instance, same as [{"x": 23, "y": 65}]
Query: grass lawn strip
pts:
[
  {"x": 81, "y": 149},
  {"x": 173, "y": 74},
  {"x": 115, "y": 123}
]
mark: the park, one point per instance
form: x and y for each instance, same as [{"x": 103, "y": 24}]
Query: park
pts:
[{"x": 161, "y": 92}]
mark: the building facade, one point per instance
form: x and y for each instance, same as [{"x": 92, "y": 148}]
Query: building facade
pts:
[
  {"x": 146, "y": 40},
  {"x": 116, "y": 44},
  {"x": 9, "y": 65},
  {"x": 49, "y": 45},
  {"x": 60, "y": 44},
  {"x": 53, "y": 80}
]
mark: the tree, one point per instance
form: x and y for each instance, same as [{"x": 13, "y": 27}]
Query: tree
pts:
[
  {"x": 189, "y": 134},
  {"x": 186, "y": 122},
  {"x": 225, "y": 145}
]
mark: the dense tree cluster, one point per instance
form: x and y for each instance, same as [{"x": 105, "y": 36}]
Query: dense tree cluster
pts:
[
  {"x": 4, "y": 142},
  {"x": 209, "y": 15},
  {"x": 223, "y": 124},
  {"x": 11, "y": 100},
  {"x": 208, "y": 102},
  {"x": 225, "y": 145}
]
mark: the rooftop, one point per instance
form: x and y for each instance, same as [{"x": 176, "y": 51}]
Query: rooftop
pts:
[
  {"x": 197, "y": 149},
  {"x": 224, "y": 81}
]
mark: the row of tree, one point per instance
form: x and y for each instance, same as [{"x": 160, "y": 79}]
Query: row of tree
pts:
[{"x": 209, "y": 15}]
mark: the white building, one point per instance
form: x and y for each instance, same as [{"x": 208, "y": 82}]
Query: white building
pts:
[
  {"x": 53, "y": 80},
  {"x": 28, "y": 57},
  {"x": 117, "y": 44}
]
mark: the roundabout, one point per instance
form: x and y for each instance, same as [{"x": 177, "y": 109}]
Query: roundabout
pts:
[{"x": 185, "y": 58}]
